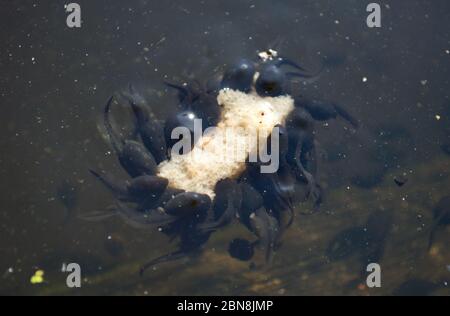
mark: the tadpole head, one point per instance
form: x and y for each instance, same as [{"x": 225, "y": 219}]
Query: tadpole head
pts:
[
  {"x": 271, "y": 81},
  {"x": 239, "y": 76}
]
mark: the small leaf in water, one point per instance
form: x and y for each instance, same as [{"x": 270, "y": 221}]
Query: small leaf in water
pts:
[{"x": 38, "y": 277}]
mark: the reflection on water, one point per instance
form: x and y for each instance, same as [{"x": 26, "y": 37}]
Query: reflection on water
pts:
[{"x": 55, "y": 82}]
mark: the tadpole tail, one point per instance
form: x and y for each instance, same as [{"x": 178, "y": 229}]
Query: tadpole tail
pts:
[
  {"x": 98, "y": 216},
  {"x": 317, "y": 197},
  {"x": 115, "y": 142},
  {"x": 314, "y": 189},
  {"x": 284, "y": 61},
  {"x": 224, "y": 219},
  {"x": 291, "y": 212},
  {"x": 142, "y": 220},
  {"x": 270, "y": 249},
  {"x": 138, "y": 114},
  {"x": 288, "y": 203},
  {"x": 109, "y": 183},
  {"x": 211, "y": 226},
  {"x": 164, "y": 258},
  {"x": 306, "y": 76},
  {"x": 183, "y": 92},
  {"x": 346, "y": 116},
  {"x": 214, "y": 225}
]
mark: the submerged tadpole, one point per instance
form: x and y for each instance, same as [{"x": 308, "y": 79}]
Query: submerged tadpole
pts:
[{"x": 67, "y": 194}]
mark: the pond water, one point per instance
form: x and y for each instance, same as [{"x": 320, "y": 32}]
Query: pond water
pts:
[{"x": 384, "y": 179}]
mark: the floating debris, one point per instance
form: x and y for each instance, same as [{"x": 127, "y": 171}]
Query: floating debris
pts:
[
  {"x": 400, "y": 180},
  {"x": 268, "y": 54},
  {"x": 38, "y": 277}
]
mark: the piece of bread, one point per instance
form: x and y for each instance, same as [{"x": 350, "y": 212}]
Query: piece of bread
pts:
[{"x": 221, "y": 153}]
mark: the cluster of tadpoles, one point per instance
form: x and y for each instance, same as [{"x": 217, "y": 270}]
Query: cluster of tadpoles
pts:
[{"x": 264, "y": 203}]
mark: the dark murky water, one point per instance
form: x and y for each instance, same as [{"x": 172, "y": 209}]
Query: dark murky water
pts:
[{"x": 55, "y": 81}]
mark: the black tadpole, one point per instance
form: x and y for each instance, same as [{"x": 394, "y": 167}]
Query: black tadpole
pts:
[
  {"x": 400, "y": 181},
  {"x": 115, "y": 142},
  {"x": 241, "y": 249}
]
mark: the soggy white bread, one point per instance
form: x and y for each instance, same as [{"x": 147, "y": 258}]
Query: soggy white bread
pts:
[{"x": 222, "y": 153}]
